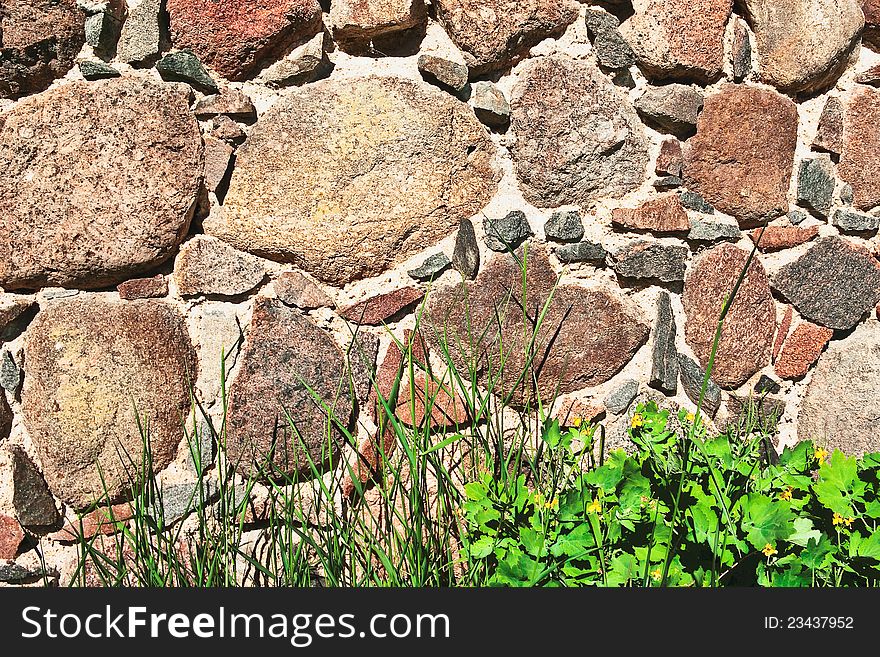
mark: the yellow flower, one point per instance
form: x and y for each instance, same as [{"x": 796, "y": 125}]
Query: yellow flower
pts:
[
  {"x": 594, "y": 507},
  {"x": 576, "y": 421},
  {"x": 656, "y": 575},
  {"x": 837, "y": 519},
  {"x": 849, "y": 521},
  {"x": 552, "y": 504},
  {"x": 769, "y": 550},
  {"x": 820, "y": 455},
  {"x": 690, "y": 417},
  {"x": 637, "y": 421},
  {"x": 786, "y": 494}
]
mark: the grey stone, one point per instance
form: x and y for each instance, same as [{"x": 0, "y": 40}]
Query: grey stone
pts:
[
  {"x": 140, "y": 35},
  {"x": 10, "y": 373},
  {"x": 692, "y": 376},
  {"x": 564, "y": 226},
  {"x": 664, "y": 355},
  {"x": 508, "y": 232},
  {"x": 361, "y": 355},
  {"x": 846, "y": 194},
  {"x": 230, "y": 103},
  {"x": 585, "y": 251},
  {"x": 489, "y": 104},
  {"x": 307, "y": 63},
  {"x": 741, "y": 52},
  {"x": 816, "y": 184},
  {"x": 102, "y": 32},
  {"x": 672, "y": 107},
  {"x": 612, "y": 50},
  {"x": 796, "y": 217},
  {"x": 849, "y": 221},
  {"x": 646, "y": 259},
  {"x": 619, "y": 400},
  {"x": 466, "y": 255},
  {"x": 52, "y": 293},
  {"x": 833, "y": 284},
  {"x": 695, "y": 202},
  {"x": 762, "y": 411},
  {"x": 180, "y": 500},
  {"x": 34, "y": 504},
  {"x": 667, "y": 182},
  {"x": 839, "y": 409},
  {"x": 184, "y": 66},
  {"x": 443, "y": 72},
  {"x": 432, "y": 267},
  {"x": 766, "y": 384},
  {"x": 704, "y": 230},
  {"x": 97, "y": 70},
  {"x": 206, "y": 265},
  {"x": 12, "y": 573}
]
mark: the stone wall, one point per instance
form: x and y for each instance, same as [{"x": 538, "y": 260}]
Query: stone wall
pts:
[{"x": 190, "y": 188}]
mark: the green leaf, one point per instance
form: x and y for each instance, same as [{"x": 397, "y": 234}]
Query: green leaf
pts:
[
  {"x": 870, "y": 547},
  {"x": 552, "y": 434},
  {"x": 804, "y": 532},
  {"x": 609, "y": 475},
  {"x": 817, "y": 556},
  {"x": 532, "y": 541},
  {"x": 841, "y": 471},
  {"x": 765, "y": 520},
  {"x": 482, "y": 548},
  {"x": 574, "y": 543},
  {"x": 798, "y": 459},
  {"x": 624, "y": 569}
]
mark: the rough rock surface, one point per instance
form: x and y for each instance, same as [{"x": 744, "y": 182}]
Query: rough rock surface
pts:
[
  {"x": 39, "y": 40},
  {"x": 848, "y": 221},
  {"x": 747, "y": 335},
  {"x": 447, "y": 409},
  {"x": 692, "y": 376},
  {"x": 34, "y": 505},
  {"x": 5, "y": 417},
  {"x": 564, "y": 226},
  {"x": 12, "y": 306},
  {"x": 11, "y": 536},
  {"x": 612, "y": 50},
  {"x": 285, "y": 352},
  {"x": 235, "y": 37},
  {"x": 620, "y": 398},
  {"x": 585, "y": 251},
  {"x": 669, "y": 160},
  {"x": 859, "y": 165},
  {"x": 91, "y": 362},
  {"x": 346, "y": 178},
  {"x": 672, "y": 107},
  {"x": 816, "y": 184},
  {"x": 380, "y": 308},
  {"x": 10, "y": 379},
  {"x": 742, "y": 156},
  {"x": 356, "y": 20},
  {"x": 829, "y": 135},
  {"x": 295, "y": 289},
  {"x": 100, "y": 182},
  {"x": 184, "y": 66},
  {"x": 507, "y": 232},
  {"x": 209, "y": 266},
  {"x": 871, "y": 35},
  {"x": 672, "y": 40},
  {"x": 431, "y": 267},
  {"x": 782, "y": 332},
  {"x": 660, "y": 215},
  {"x": 803, "y": 45},
  {"x": 493, "y": 34},
  {"x": 741, "y": 51},
  {"x": 776, "y": 238},
  {"x": 218, "y": 155},
  {"x": 834, "y": 283},
  {"x": 489, "y": 104},
  {"x": 664, "y": 355},
  {"x": 708, "y": 230},
  {"x": 650, "y": 260},
  {"x": 839, "y": 410},
  {"x": 141, "y": 34},
  {"x": 578, "y": 137},
  {"x": 229, "y": 102},
  {"x": 143, "y": 288},
  {"x": 597, "y": 334},
  {"x": 361, "y": 354},
  {"x": 446, "y": 73},
  {"x": 802, "y": 348},
  {"x": 305, "y": 63},
  {"x": 466, "y": 254}
]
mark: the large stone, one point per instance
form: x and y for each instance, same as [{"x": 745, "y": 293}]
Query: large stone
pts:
[
  {"x": 839, "y": 409},
  {"x": 673, "y": 40},
  {"x": 834, "y": 283},
  {"x": 816, "y": 184},
  {"x": 803, "y": 45},
  {"x": 578, "y": 139},
  {"x": 692, "y": 378},
  {"x": 34, "y": 505},
  {"x": 859, "y": 165},
  {"x": 650, "y": 260},
  {"x": 742, "y": 156},
  {"x": 848, "y": 221},
  {"x": 664, "y": 355},
  {"x": 275, "y": 425},
  {"x": 494, "y": 34},
  {"x": 100, "y": 182},
  {"x": 39, "y": 40},
  {"x": 507, "y": 232},
  {"x": 586, "y": 336},
  {"x": 346, "y": 178},
  {"x": 141, "y": 35},
  {"x": 208, "y": 266},
  {"x": 747, "y": 334},
  {"x": 660, "y": 215},
  {"x": 359, "y": 21},
  {"x": 612, "y": 50},
  {"x": 238, "y": 37},
  {"x": 382, "y": 307},
  {"x": 361, "y": 355},
  {"x": 672, "y": 107},
  {"x": 802, "y": 348},
  {"x": 97, "y": 370}
]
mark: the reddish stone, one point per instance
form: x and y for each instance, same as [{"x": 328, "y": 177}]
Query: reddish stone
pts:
[
  {"x": 870, "y": 76},
  {"x": 747, "y": 334},
  {"x": 238, "y": 37},
  {"x": 227, "y": 130},
  {"x": 742, "y": 156},
  {"x": 378, "y": 309},
  {"x": 802, "y": 348},
  {"x": 782, "y": 332},
  {"x": 670, "y": 159},
  {"x": 11, "y": 536},
  {"x": 218, "y": 155},
  {"x": 143, "y": 288},
  {"x": 673, "y": 40},
  {"x": 871, "y": 36},
  {"x": 576, "y": 410},
  {"x": 776, "y": 238},
  {"x": 829, "y": 135},
  {"x": 447, "y": 407},
  {"x": 39, "y": 40},
  {"x": 103, "y": 520},
  {"x": 660, "y": 215},
  {"x": 859, "y": 165}
]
